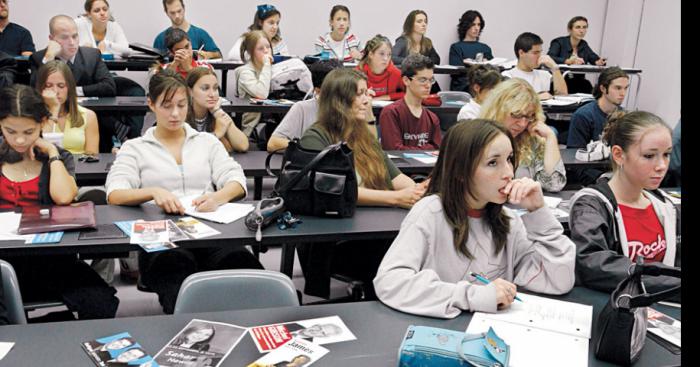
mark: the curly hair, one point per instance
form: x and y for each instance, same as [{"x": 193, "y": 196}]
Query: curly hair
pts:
[{"x": 466, "y": 22}]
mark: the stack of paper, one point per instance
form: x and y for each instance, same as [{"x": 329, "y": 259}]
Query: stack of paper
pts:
[
  {"x": 541, "y": 331},
  {"x": 225, "y": 214}
]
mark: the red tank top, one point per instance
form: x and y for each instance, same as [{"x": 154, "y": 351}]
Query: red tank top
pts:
[
  {"x": 14, "y": 194},
  {"x": 645, "y": 234}
]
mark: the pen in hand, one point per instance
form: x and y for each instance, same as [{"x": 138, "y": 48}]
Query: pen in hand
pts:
[{"x": 486, "y": 281}]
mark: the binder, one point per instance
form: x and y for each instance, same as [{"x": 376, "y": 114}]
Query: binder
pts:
[{"x": 57, "y": 218}]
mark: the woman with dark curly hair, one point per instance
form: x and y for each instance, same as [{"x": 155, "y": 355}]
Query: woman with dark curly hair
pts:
[{"x": 469, "y": 29}]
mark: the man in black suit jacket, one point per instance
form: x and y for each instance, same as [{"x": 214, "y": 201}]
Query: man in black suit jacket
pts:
[{"x": 91, "y": 74}]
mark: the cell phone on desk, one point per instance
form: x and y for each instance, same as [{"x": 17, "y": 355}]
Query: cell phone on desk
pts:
[{"x": 87, "y": 158}]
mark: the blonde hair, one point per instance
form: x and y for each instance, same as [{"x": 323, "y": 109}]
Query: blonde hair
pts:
[
  {"x": 250, "y": 41},
  {"x": 515, "y": 96}
]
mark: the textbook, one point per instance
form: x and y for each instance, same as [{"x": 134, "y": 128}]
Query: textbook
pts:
[
  {"x": 200, "y": 343},
  {"x": 117, "y": 350},
  {"x": 324, "y": 330},
  {"x": 541, "y": 331},
  {"x": 296, "y": 352}
]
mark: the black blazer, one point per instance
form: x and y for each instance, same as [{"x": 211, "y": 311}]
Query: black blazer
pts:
[
  {"x": 8, "y": 70},
  {"x": 560, "y": 49},
  {"x": 89, "y": 71}
]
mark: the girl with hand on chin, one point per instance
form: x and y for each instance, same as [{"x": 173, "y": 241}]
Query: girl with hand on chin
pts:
[
  {"x": 169, "y": 161},
  {"x": 35, "y": 172},
  {"x": 266, "y": 19},
  {"x": 255, "y": 76},
  {"x": 461, "y": 227}
]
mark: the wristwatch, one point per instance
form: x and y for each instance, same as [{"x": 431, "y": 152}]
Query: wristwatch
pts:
[{"x": 54, "y": 158}]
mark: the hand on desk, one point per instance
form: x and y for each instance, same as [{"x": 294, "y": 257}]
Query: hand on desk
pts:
[
  {"x": 205, "y": 203},
  {"x": 410, "y": 195},
  {"x": 167, "y": 201}
]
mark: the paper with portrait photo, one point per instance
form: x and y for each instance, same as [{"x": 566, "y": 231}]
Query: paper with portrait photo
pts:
[
  {"x": 155, "y": 231},
  {"x": 117, "y": 350},
  {"x": 194, "y": 228},
  {"x": 297, "y": 352},
  {"x": 664, "y": 326},
  {"x": 324, "y": 330},
  {"x": 200, "y": 343}
]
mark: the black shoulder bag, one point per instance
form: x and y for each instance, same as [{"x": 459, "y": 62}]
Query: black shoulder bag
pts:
[
  {"x": 622, "y": 325},
  {"x": 317, "y": 183}
]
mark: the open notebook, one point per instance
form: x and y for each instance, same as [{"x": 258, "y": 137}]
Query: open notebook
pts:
[{"x": 541, "y": 331}]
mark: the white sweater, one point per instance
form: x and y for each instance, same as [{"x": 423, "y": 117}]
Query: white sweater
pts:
[
  {"x": 145, "y": 162},
  {"x": 423, "y": 274},
  {"x": 115, "y": 39}
]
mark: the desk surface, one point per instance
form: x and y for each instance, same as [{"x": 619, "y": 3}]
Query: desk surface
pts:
[{"x": 379, "y": 331}]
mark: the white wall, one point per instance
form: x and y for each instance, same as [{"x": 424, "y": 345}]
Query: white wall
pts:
[{"x": 630, "y": 33}]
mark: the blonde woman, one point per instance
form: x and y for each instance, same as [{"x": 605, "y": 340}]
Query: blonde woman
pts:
[{"x": 515, "y": 104}]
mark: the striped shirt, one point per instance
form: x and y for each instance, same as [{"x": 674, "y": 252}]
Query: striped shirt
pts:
[{"x": 337, "y": 49}]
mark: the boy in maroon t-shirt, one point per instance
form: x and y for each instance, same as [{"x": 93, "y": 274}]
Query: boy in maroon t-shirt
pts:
[{"x": 405, "y": 124}]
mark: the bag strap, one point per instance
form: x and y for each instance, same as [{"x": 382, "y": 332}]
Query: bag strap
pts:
[
  {"x": 311, "y": 165},
  {"x": 646, "y": 299},
  {"x": 269, "y": 158}
]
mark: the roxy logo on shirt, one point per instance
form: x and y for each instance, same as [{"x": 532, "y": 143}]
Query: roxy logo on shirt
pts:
[
  {"x": 421, "y": 138},
  {"x": 650, "y": 252}
]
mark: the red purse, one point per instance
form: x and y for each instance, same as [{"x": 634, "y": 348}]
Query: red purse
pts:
[{"x": 432, "y": 100}]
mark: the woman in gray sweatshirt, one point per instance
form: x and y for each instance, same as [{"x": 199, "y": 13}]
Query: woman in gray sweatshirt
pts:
[{"x": 461, "y": 227}]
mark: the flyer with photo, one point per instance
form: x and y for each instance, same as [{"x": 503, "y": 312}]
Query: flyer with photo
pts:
[
  {"x": 194, "y": 228},
  {"x": 175, "y": 233},
  {"x": 200, "y": 343},
  {"x": 296, "y": 352},
  {"x": 157, "y": 246},
  {"x": 118, "y": 350},
  {"x": 155, "y": 231},
  {"x": 324, "y": 330},
  {"x": 664, "y": 326}
]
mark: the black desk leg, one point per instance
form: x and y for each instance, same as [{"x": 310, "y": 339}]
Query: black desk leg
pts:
[
  {"x": 224, "y": 74},
  {"x": 257, "y": 187},
  {"x": 287, "y": 261}
]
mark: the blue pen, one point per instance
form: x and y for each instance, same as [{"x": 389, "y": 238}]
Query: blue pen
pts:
[{"x": 486, "y": 281}]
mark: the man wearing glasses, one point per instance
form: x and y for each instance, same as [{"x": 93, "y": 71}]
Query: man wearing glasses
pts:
[
  {"x": 199, "y": 38},
  {"x": 15, "y": 40},
  {"x": 405, "y": 124},
  {"x": 528, "y": 50}
]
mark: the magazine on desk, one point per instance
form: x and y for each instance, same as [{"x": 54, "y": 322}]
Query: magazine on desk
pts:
[
  {"x": 541, "y": 331},
  {"x": 324, "y": 330},
  {"x": 296, "y": 352},
  {"x": 117, "y": 350},
  {"x": 200, "y": 343},
  {"x": 664, "y": 326}
]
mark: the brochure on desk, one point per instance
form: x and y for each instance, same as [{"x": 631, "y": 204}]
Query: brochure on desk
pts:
[
  {"x": 200, "y": 343},
  {"x": 118, "y": 350},
  {"x": 664, "y": 326},
  {"x": 541, "y": 331},
  {"x": 324, "y": 330},
  {"x": 296, "y": 352}
]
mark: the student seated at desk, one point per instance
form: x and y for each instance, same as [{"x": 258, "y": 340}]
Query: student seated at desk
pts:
[
  {"x": 35, "y": 172},
  {"x": 266, "y": 19},
  {"x": 588, "y": 122},
  {"x": 461, "y": 227},
  {"x": 405, "y": 124},
  {"x": 205, "y": 113},
  {"x": 339, "y": 43},
  {"x": 173, "y": 160},
  {"x": 414, "y": 41},
  {"x": 342, "y": 113},
  {"x": 255, "y": 76},
  {"x": 528, "y": 50},
  {"x": 469, "y": 29},
  {"x": 383, "y": 77},
  {"x": 303, "y": 113},
  {"x": 98, "y": 29},
  {"x": 614, "y": 222},
  {"x": 74, "y": 127},
  {"x": 515, "y": 104},
  {"x": 16, "y": 40},
  {"x": 180, "y": 47},
  {"x": 175, "y": 10},
  {"x": 482, "y": 79},
  {"x": 574, "y": 50}
]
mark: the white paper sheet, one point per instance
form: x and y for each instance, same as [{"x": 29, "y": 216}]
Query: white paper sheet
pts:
[
  {"x": 552, "y": 201},
  {"x": 225, "y": 214},
  {"x": 5, "y": 348}
]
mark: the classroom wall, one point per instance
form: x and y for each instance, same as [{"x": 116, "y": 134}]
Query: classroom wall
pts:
[{"x": 613, "y": 27}]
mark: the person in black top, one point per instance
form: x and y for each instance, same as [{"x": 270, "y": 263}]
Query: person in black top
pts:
[
  {"x": 469, "y": 29},
  {"x": 8, "y": 69},
  {"x": 14, "y": 39},
  {"x": 574, "y": 50}
]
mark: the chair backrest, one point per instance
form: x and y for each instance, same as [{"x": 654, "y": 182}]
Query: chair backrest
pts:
[
  {"x": 12, "y": 298},
  {"x": 223, "y": 290}
]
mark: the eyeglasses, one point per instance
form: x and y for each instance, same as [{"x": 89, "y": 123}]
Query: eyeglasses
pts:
[
  {"x": 264, "y": 9},
  {"x": 423, "y": 80},
  {"x": 529, "y": 118}
]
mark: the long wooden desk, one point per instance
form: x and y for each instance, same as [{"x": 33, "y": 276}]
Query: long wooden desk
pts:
[{"x": 378, "y": 328}]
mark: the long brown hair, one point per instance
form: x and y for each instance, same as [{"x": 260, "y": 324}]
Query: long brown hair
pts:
[
  {"x": 192, "y": 79},
  {"x": 425, "y": 43},
  {"x": 453, "y": 180},
  {"x": 626, "y": 128},
  {"x": 339, "y": 90},
  {"x": 71, "y": 104}
]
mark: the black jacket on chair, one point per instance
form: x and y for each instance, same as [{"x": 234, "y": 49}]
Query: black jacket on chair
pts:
[
  {"x": 89, "y": 71},
  {"x": 8, "y": 70}
]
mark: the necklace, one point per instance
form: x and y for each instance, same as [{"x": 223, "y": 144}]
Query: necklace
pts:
[{"x": 201, "y": 121}]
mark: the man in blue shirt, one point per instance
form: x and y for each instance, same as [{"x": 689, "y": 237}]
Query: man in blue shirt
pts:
[
  {"x": 588, "y": 122},
  {"x": 15, "y": 40},
  {"x": 175, "y": 9}
]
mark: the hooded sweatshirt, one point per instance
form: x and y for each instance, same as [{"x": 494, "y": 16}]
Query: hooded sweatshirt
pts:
[{"x": 389, "y": 82}]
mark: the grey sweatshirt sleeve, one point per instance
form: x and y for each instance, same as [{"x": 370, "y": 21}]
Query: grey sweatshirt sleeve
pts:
[
  {"x": 544, "y": 258},
  {"x": 124, "y": 173},
  {"x": 403, "y": 283}
]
